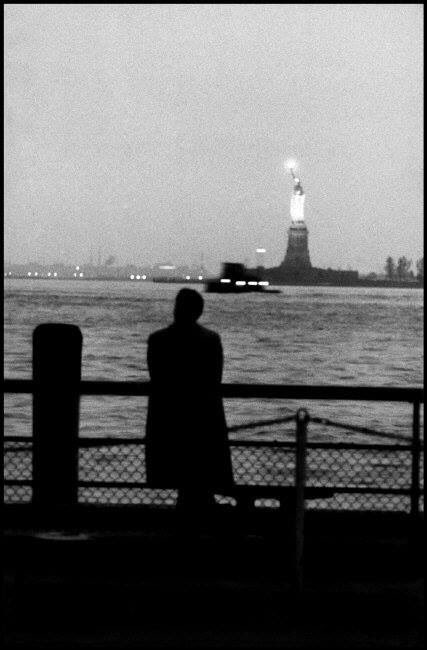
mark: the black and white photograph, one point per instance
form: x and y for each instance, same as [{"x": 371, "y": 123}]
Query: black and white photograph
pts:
[{"x": 213, "y": 326}]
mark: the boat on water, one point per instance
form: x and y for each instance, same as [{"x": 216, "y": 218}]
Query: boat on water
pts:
[{"x": 235, "y": 278}]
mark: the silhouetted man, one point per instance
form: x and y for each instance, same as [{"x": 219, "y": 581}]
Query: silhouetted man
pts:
[{"x": 186, "y": 434}]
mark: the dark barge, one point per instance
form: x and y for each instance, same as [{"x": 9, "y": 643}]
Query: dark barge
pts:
[{"x": 235, "y": 278}]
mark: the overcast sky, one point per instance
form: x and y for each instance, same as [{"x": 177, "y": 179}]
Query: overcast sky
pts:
[{"x": 159, "y": 132}]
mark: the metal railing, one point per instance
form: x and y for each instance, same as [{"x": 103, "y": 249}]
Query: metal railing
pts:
[
  {"x": 58, "y": 466},
  {"x": 252, "y": 460}
]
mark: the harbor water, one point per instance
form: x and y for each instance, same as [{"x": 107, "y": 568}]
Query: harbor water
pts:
[{"x": 303, "y": 335}]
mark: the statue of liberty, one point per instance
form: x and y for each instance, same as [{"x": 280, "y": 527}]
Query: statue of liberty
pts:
[{"x": 297, "y": 258}]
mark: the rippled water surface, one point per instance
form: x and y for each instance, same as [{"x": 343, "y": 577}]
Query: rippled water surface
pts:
[{"x": 304, "y": 335}]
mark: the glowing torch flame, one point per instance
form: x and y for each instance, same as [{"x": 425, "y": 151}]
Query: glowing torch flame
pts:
[{"x": 290, "y": 164}]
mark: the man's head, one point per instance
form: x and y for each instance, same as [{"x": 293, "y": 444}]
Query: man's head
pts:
[{"x": 188, "y": 306}]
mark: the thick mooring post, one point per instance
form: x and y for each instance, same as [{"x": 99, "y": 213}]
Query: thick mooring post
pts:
[
  {"x": 57, "y": 352},
  {"x": 302, "y": 418}
]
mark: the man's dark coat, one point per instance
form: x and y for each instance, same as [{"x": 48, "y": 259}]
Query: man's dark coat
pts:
[{"x": 186, "y": 432}]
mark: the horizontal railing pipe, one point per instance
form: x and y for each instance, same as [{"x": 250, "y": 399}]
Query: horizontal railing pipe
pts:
[
  {"x": 240, "y": 390},
  {"x": 87, "y": 442}
]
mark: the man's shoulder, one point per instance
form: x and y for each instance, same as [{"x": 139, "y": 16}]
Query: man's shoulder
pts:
[
  {"x": 208, "y": 333},
  {"x": 170, "y": 332},
  {"x": 159, "y": 335}
]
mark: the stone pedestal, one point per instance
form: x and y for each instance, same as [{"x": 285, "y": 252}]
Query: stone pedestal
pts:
[{"x": 297, "y": 257}]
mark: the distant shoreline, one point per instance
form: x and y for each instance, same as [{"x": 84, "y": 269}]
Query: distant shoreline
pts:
[{"x": 385, "y": 284}]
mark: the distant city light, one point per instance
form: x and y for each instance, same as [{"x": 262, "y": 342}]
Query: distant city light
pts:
[
  {"x": 200, "y": 277},
  {"x": 75, "y": 275},
  {"x": 29, "y": 273},
  {"x": 240, "y": 283},
  {"x": 225, "y": 280},
  {"x": 253, "y": 284},
  {"x": 77, "y": 268},
  {"x": 5, "y": 275},
  {"x": 49, "y": 274},
  {"x": 138, "y": 277},
  {"x": 81, "y": 275},
  {"x": 144, "y": 277},
  {"x": 10, "y": 272},
  {"x": 36, "y": 273},
  {"x": 132, "y": 277},
  {"x": 263, "y": 283},
  {"x": 187, "y": 277},
  {"x": 261, "y": 250},
  {"x": 55, "y": 274},
  {"x": 168, "y": 267}
]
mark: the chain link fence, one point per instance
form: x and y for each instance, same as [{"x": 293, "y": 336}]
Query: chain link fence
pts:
[{"x": 113, "y": 472}]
